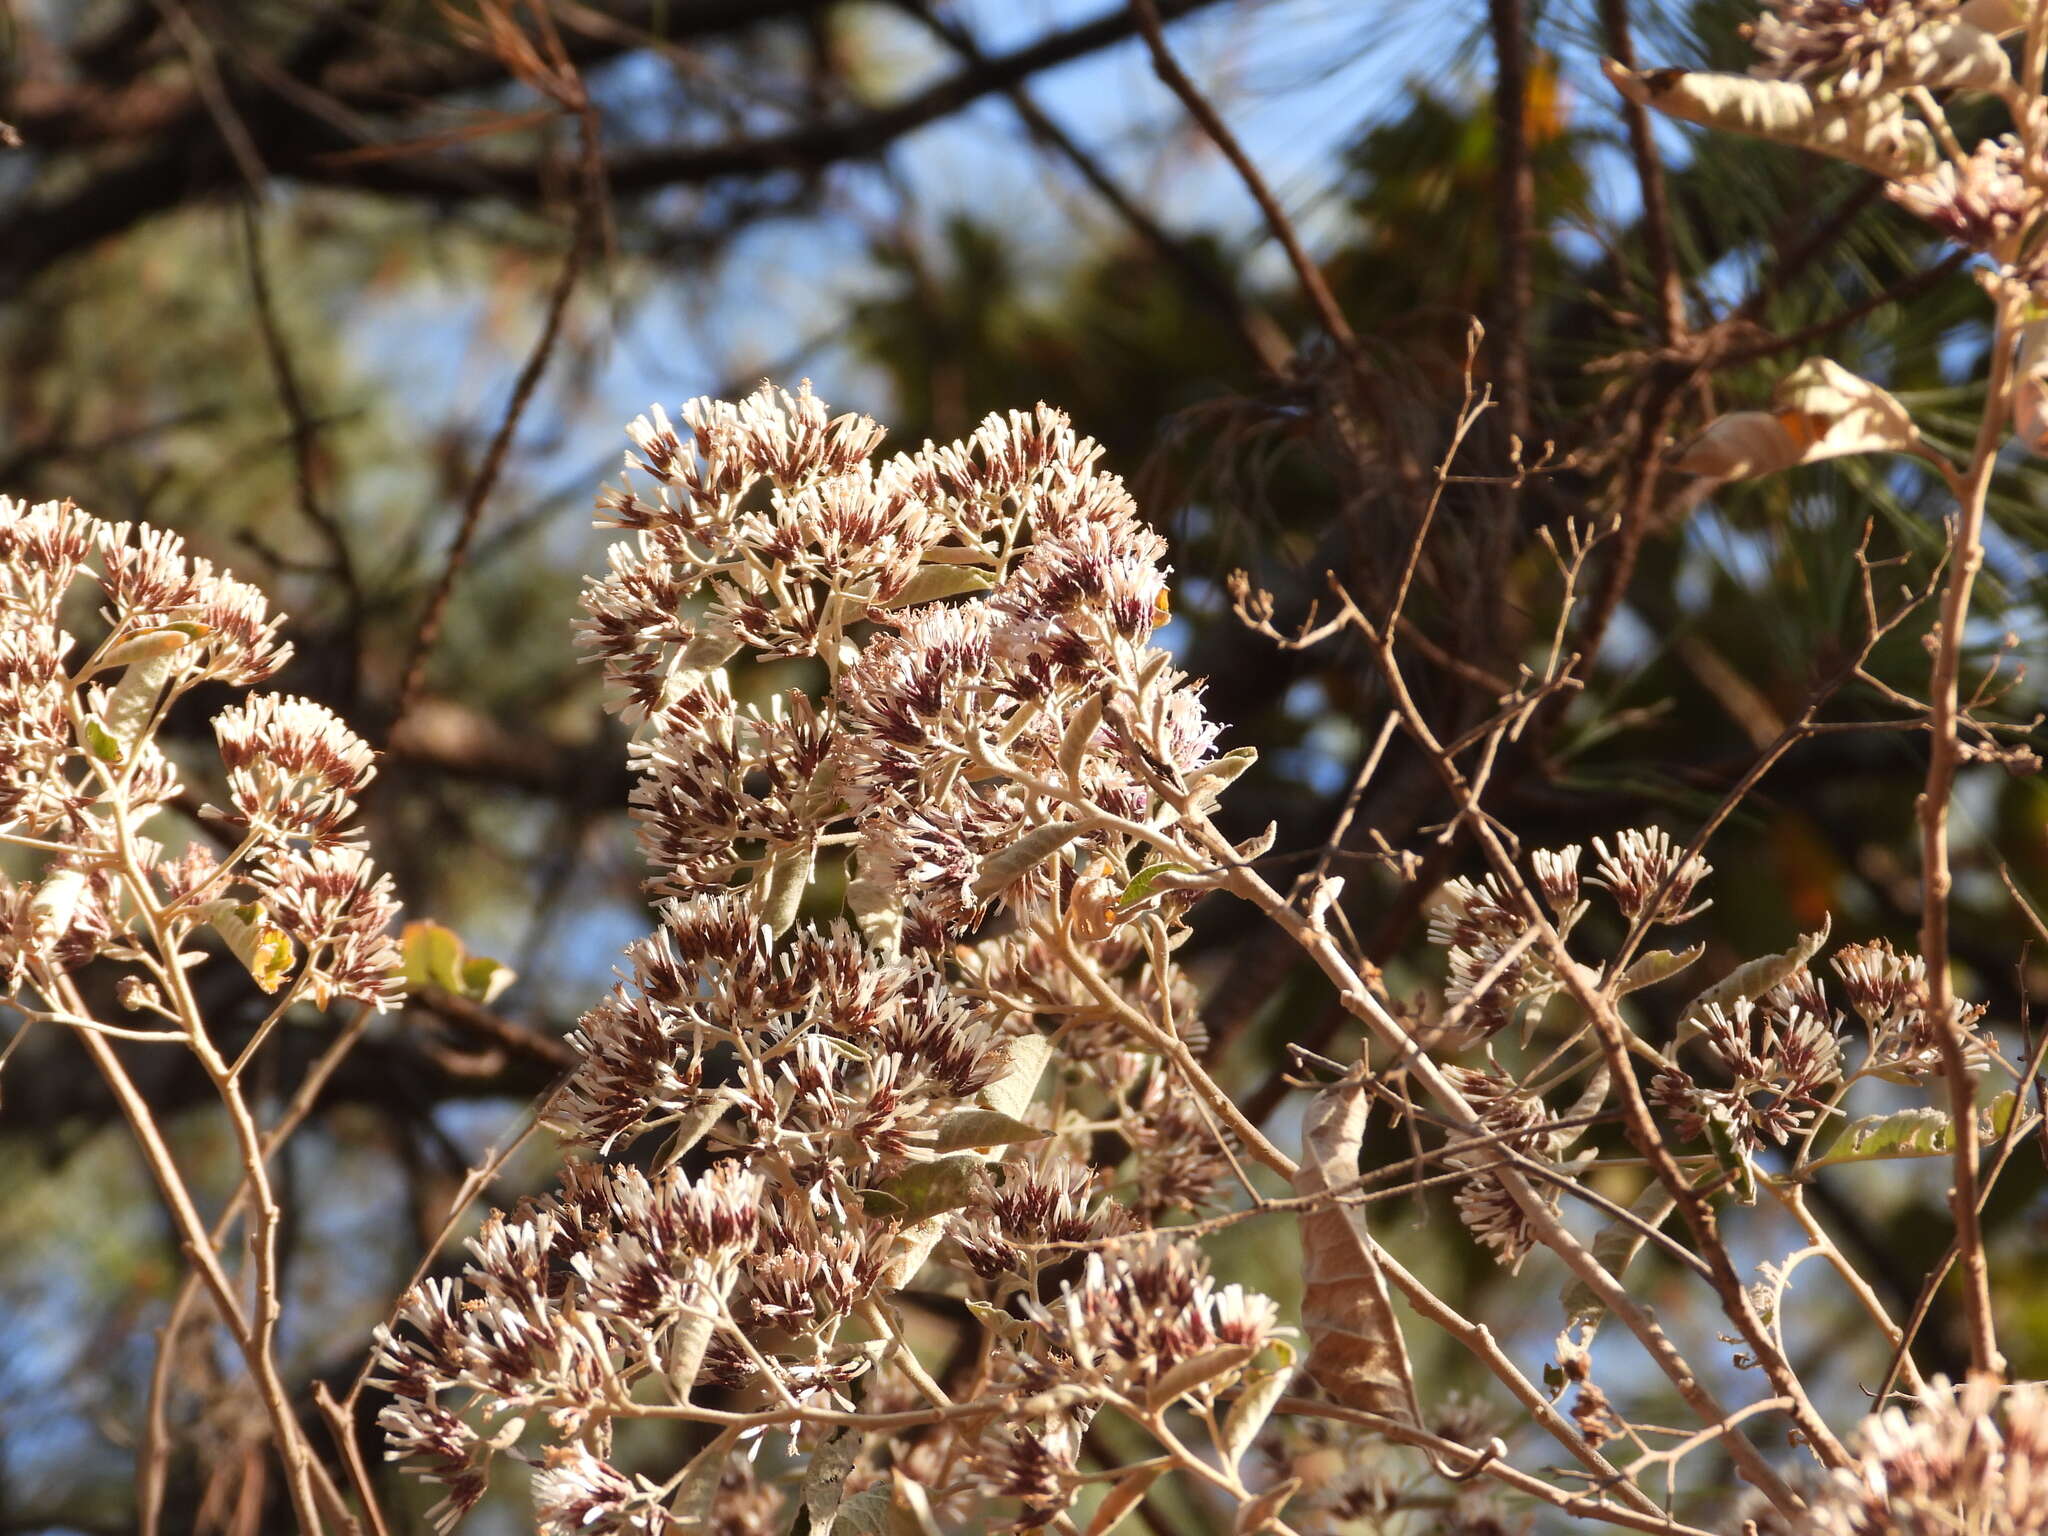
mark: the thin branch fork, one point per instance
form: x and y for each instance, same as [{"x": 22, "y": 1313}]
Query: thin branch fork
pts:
[{"x": 1614, "y": 1038}]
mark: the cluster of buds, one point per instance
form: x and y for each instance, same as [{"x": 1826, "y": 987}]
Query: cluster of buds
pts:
[
  {"x": 878, "y": 893},
  {"x": 288, "y": 890}
]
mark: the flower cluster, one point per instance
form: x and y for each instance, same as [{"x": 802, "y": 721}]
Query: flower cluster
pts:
[
  {"x": 1522, "y": 1123},
  {"x": 1141, "y": 1316},
  {"x": 82, "y": 777},
  {"x": 1973, "y": 1458},
  {"x": 1777, "y": 1066},
  {"x": 1982, "y": 204},
  {"x": 1496, "y": 972},
  {"x": 1650, "y": 881},
  {"x": 878, "y": 892},
  {"x": 1853, "y": 46},
  {"x": 1888, "y": 992}
]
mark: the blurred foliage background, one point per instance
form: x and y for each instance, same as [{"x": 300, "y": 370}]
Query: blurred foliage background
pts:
[{"x": 270, "y": 274}]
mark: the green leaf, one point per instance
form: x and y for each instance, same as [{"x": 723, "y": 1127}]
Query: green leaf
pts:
[
  {"x": 1654, "y": 966},
  {"x": 930, "y": 583},
  {"x": 100, "y": 742},
  {"x": 1733, "y": 1160},
  {"x": 1141, "y": 884},
  {"x": 927, "y": 1189},
  {"x": 1918, "y": 1132},
  {"x": 982, "y": 1128}
]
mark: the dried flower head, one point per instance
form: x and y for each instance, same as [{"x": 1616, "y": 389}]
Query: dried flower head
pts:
[
  {"x": 1139, "y": 1313},
  {"x": 1888, "y": 992},
  {"x": 81, "y": 768},
  {"x": 1497, "y": 972},
  {"x": 1557, "y": 876}
]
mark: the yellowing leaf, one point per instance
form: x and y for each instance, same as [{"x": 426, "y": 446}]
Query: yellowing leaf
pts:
[
  {"x": 433, "y": 955},
  {"x": 1739, "y": 446},
  {"x": 257, "y": 942}
]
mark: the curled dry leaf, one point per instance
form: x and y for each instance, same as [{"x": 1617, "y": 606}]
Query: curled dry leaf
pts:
[
  {"x": 1355, "y": 1349},
  {"x": 1819, "y": 411},
  {"x": 1875, "y": 134}
]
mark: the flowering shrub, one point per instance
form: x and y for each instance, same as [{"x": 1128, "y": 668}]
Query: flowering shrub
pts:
[{"x": 916, "y": 960}]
